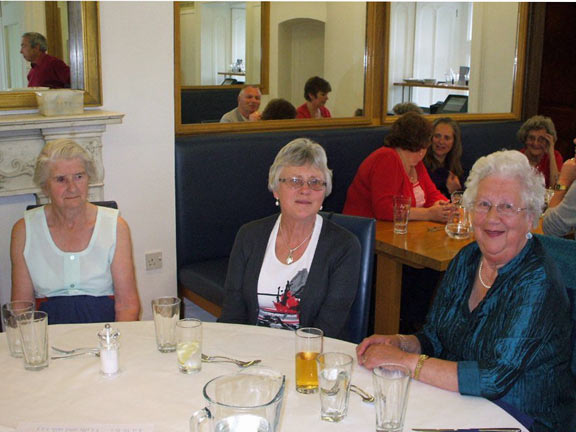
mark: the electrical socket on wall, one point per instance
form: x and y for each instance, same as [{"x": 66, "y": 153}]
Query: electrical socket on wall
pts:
[{"x": 153, "y": 260}]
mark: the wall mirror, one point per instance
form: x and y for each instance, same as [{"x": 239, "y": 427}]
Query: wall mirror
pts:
[
  {"x": 454, "y": 57},
  {"x": 297, "y": 40},
  {"x": 487, "y": 39},
  {"x": 72, "y": 30}
]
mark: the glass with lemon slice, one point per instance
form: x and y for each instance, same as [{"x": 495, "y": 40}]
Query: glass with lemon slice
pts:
[{"x": 189, "y": 345}]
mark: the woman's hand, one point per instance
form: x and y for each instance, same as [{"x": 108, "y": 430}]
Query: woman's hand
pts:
[
  {"x": 550, "y": 143},
  {"x": 385, "y": 353},
  {"x": 375, "y": 340},
  {"x": 440, "y": 211},
  {"x": 453, "y": 183}
]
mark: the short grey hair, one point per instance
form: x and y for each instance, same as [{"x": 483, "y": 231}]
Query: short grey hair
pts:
[
  {"x": 249, "y": 86},
  {"x": 536, "y": 123},
  {"x": 509, "y": 164},
  {"x": 59, "y": 149},
  {"x": 299, "y": 152},
  {"x": 36, "y": 40}
]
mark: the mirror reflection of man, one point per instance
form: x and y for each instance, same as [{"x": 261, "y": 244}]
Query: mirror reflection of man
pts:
[
  {"x": 247, "y": 109},
  {"x": 47, "y": 70}
]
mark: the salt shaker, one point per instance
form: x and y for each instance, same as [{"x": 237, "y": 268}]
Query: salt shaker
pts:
[{"x": 109, "y": 346}]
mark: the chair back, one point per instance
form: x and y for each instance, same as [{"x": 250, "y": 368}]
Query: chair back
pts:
[
  {"x": 364, "y": 229},
  {"x": 110, "y": 204},
  {"x": 563, "y": 252}
]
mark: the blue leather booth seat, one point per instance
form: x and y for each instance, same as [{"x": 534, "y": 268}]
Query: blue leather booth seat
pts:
[
  {"x": 221, "y": 184},
  {"x": 207, "y": 106}
]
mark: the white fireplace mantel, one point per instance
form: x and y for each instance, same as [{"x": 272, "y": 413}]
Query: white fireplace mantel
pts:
[{"x": 23, "y": 136}]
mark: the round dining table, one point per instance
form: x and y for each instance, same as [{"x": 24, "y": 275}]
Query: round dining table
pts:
[{"x": 150, "y": 390}]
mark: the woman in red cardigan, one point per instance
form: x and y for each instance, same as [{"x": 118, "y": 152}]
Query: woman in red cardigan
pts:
[{"x": 397, "y": 169}]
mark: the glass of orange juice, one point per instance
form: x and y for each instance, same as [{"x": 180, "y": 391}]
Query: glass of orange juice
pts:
[{"x": 309, "y": 342}]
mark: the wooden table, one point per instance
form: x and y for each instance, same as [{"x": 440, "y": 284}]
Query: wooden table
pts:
[{"x": 425, "y": 245}]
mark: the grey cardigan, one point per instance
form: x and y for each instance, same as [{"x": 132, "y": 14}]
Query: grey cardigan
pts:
[{"x": 330, "y": 288}]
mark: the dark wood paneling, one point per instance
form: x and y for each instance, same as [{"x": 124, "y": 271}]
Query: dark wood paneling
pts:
[{"x": 558, "y": 76}]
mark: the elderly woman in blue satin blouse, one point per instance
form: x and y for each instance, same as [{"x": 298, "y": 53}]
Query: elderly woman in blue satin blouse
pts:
[
  {"x": 500, "y": 324},
  {"x": 72, "y": 257}
]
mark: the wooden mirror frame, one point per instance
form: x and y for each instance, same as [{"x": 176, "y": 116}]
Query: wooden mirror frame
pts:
[
  {"x": 84, "y": 53},
  {"x": 376, "y": 75}
]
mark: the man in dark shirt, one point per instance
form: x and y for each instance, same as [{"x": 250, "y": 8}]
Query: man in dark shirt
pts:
[{"x": 46, "y": 71}]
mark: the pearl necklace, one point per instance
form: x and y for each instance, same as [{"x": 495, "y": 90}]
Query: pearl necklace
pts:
[
  {"x": 480, "y": 277},
  {"x": 290, "y": 258}
]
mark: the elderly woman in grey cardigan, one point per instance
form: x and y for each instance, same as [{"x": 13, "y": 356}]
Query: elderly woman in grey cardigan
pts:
[{"x": 294, "y": 269}]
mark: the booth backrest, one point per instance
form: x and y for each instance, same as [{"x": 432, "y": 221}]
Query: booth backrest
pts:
[
  {"x": 207, "y": 106},
  {"x": 221, "y": 180}
]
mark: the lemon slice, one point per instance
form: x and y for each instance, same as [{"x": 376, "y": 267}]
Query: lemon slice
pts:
[{"x": 185, "y": 350}]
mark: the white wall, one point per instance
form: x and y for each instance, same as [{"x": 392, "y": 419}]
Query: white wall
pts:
[
  {"x": 137, "y": 71},
  {"x": 137, "y": 74},
  {"x": 493, "y": 57}
]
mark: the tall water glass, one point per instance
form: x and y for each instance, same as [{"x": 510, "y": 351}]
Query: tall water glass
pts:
[
  {"x": 189, "y": 345},
  {"x": 309, "y": 343},
  {"x": 166, "y": 314},
  {"x": 9, "y": 312},
  {"x": 401, "y": 211},
  {"x": 334, "y": 374},
  {"x": 391, "y": 390},
  {"x": 33, "y": 327}
]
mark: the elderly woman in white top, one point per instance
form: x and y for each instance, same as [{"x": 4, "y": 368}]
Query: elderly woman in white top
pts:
[
  {"x": 72, "y": 257},
  {"x": 294, "y": 269}
]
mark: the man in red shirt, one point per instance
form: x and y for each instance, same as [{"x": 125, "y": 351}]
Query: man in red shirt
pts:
[{"x": 46, "y": 71}]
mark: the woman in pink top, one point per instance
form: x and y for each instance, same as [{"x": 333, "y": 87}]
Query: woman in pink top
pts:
[{"x": 397, "y": 169}]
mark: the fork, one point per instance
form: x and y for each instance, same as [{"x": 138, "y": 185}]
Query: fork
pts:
[
  {"x": 76, "y": 354},
  {"x": 75, "y": 350},
  {"x": 218, "y": 359}
]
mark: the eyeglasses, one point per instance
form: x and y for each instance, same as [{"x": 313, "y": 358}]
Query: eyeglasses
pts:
[
  {"x": 298, "y": 182},
  {"x": 503, "y": 209}
]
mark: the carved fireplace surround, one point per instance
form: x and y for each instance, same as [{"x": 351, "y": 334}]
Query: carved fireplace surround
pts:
[{"x": 23, "y": 136}]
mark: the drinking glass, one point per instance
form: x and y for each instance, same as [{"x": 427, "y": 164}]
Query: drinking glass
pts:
[
  {"x": 458, "y": 226},
  {"x": 9, "y": 312},
  {"x": 33, "y": 327},
  {"x": 189, "y": 345},
  {"x": 391, "y": 390},
  {"x": 334, "y": 374},
  {"x": 166, "y": 313},
  {"x": 401, "y": 213},
  {"x": 309, "y": 342}
]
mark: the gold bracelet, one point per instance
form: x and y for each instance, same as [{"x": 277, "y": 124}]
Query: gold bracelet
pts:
[{"x": 421, "y": 360}]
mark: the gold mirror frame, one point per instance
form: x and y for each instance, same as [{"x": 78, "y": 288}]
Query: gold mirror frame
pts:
[
  {"x": 376, "y": 74},
  {"x": 88, "y": 57}
]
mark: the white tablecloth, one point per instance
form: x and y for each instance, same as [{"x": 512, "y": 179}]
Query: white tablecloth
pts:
[{"x": 150, "y": 389}]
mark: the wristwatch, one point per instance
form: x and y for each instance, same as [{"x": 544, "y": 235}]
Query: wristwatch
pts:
[{"x": 560, "y": 187}]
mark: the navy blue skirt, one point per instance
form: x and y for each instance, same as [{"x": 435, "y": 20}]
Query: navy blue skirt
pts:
[{"x": 77, "y": 309}]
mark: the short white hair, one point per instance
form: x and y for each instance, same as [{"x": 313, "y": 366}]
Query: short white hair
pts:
[{"x": 509, "y": 164}]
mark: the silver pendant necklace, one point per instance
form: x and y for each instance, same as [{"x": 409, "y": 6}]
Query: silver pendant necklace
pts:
[
  {"x": 290, "y": 258},
  {"x": 480, "y": 277}
]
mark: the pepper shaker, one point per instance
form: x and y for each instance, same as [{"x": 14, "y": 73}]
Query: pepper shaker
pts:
[{"x": 109, "y": 347}]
